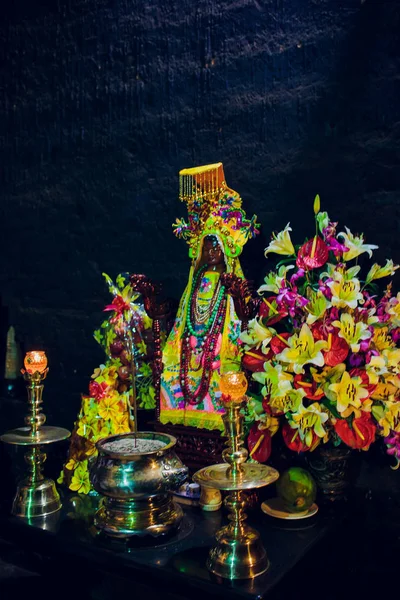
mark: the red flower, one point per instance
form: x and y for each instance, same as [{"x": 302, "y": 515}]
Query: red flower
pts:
[
  {"x": 118, "y": 304},
  {"x": 254, "y": 360},
  {"x": 370, "y": 387},
  {"x": 338, "y": 350},
  {"x": 313, "y": 254},
  {"x": 259, "y": 443},
  {"x": 270, "y": 312},
  {"x": 277, "y": 344},
  {"x": 360, "y": 435},
  {"x": 292, "y": 439},
  {"x": 97, "y": 390},
  {"x": 338, "y": 347},
  {"x": 310, "y": 387}
]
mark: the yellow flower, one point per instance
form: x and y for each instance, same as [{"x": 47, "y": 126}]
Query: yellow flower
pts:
[
  {"x": 269, "y": 422},
  {"x": 376, "y": 368},
  {"x": 394, "y": 310},
  {"x": 392, "y": 359},
  {"x": 345, "y": 292},
  {"x": 108, "y": 407},
  {"x": 281, "y": 243},
  {"x": 307, "y": 420},
  {"x": 80, "y": 481},
  {"x": 291, "y": 401},
  {"x": 85, "y": 427},
  {"x": 377, "y": 272},
  {"x": 386, "y": 390},
  {"x": 391, "y": 417},
  {"x": 257, "y": 335},
  {"x": 349, "y": 394},
  {"x": 355, "y": 244},
  {"x": 275, "y": 381},
  {"x": 274, "y": 281},
  {"x": 120, "y": 425},
  {"x": 303, "y": 350},
  {"x": 381, "y": 339},
  {"x": 351, "y": 331},
  {"x": 316, "y": 307},
  {"x": 97, "y": 372},
  {"x": 72, "y": 464},
  {"x": 110, "y": 374}
]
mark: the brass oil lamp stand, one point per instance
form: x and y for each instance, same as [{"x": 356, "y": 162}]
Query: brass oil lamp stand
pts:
[
  {"x": 239, "y": 552},
  {"x": 36, "y": 495}
]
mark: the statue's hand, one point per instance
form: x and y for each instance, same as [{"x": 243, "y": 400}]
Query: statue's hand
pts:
[
  {"x": 155, "y": 305},
  {"x": 143, "y": 285},
  {"x": 234, "y": 286}
]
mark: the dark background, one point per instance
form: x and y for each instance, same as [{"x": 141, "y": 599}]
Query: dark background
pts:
[{"x": 102, "y": 102}]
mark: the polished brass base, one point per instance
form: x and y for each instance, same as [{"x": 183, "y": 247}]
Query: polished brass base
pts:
[
  {"x": 238, "y": 555},
  {"x": 36, "y": 499},
  {"x": 122, "y": 518}
]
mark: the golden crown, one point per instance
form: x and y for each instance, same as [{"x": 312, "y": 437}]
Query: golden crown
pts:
[{"x": 213, "y": 209}]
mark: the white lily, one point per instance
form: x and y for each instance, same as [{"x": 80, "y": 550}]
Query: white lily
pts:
[
  {"x": 281, "y": 243},
  {"x": 355, "y": 244}
]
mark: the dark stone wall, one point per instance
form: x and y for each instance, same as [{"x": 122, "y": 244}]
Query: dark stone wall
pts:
[{"x": 102, "y": 102}]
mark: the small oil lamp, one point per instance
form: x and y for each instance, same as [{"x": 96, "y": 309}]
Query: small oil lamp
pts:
[{"x": 36, "y": 496}]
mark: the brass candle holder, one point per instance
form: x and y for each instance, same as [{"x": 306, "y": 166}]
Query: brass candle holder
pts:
[
  {"x": 36, "y": 495},
  {"x": 239, "y": 553}
]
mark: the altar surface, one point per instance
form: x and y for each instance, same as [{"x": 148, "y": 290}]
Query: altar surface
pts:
[{"x": 68, "y": 541}]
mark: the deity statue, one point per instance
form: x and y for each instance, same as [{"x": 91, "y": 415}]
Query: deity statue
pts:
[{"x": 204, "y": 340}]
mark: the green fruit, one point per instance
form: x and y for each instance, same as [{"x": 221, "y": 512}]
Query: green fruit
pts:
[{"x": 297, "y": 489}]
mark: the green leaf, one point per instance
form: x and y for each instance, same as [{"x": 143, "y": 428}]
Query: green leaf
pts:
[{"x": 331, "y": 407}]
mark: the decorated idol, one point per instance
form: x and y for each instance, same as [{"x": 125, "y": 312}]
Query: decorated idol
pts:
[{"x": 204, "y": 340}]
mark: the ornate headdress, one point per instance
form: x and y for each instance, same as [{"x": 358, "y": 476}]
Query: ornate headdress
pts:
[{"x": 213, "y": 209}]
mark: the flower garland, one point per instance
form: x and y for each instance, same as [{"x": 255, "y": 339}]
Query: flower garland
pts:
[{"x": 107, "y": 409}]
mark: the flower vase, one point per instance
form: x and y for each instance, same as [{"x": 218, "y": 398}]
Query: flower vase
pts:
[{"x": 335, "y": 470}]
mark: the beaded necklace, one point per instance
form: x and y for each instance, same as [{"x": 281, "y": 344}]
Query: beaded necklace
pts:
[{"x": 208, "y": 335}]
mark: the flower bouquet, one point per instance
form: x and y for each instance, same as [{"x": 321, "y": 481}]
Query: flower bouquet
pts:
[
  {"x": 323, "y": 348},
  {"x": 108, "y": 408}
]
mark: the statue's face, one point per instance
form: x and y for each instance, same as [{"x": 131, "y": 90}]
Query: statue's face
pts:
[{"x": 212, "y": 252}]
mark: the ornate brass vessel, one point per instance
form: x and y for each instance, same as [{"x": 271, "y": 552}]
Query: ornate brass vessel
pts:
[{"x": 136, "y": 487}]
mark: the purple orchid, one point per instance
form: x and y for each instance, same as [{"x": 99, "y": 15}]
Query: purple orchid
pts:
[{"x": 392, "y": 442}]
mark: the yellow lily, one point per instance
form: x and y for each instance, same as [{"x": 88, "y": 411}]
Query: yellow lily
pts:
[
  {"x": 281, "y": 243},
  {"x": 355, "y": 244},
  {"x": 376, "y": 368},
  {"x": 317, "y": 305},
  {"x": 80, "y": 481},
  {"x": 351, "y": 331},
  {"x": 290, "y": 402},
  {"x": 381, "y": 339},
  {"x": 275, "y": 381},
  {"x": 273, "y": 281},
  {"x": 391, "y": 417},
  {"x": 394, "y": 310},
  {"x": 302, "y": 350},
  {"x": 307, "y": 420},
  {"x": 392, "y": 359},
  {"x": 257, "y": 335},
  {"x": 349, "y": 393},
  {"x": 386, "y": 390},
  {"x": 345, "y": 292},
  {"x": 377, "y": 272}
]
